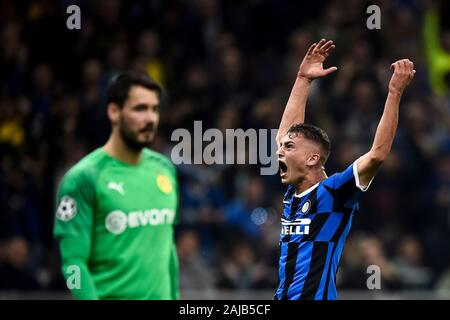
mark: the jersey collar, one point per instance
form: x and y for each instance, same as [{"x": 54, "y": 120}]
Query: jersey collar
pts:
[{"x": 306, "y": 191}]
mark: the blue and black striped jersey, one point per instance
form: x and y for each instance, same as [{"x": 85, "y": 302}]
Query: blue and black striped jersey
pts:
[{"x": 314, "y": 226}]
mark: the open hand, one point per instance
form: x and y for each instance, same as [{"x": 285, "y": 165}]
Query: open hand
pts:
[{"x": 312, "y": 64}]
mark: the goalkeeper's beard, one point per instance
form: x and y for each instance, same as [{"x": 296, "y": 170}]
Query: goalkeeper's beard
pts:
[{"x": 130, "y": 138}]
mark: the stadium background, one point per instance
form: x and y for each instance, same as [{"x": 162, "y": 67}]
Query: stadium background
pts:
[{"x": 230, "y": 64}]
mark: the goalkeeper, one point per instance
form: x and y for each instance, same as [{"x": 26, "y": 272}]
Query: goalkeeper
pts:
[{"x": 117, "y": 206}]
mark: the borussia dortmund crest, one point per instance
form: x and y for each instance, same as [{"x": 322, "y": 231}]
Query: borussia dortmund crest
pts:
[{"x": 164, "y": 184}]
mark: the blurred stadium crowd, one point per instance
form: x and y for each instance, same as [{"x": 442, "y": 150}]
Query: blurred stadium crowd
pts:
[{"x": 230, "y": 64}]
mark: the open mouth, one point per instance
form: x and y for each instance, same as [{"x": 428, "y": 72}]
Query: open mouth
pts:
[{"x": 283, "y": 168}]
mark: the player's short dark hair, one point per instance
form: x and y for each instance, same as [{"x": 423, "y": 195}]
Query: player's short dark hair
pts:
[
  {"x": 119, "y": 87},
  {"x": 314, "y": 134}
]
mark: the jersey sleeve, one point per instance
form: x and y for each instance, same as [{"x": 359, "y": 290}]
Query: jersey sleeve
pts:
[
  {"x": 346, "y": 185},
  {"x": 174, "y": 273},
  {"x": 177, "y": 193},
  {"x": 73, "y": 230}
]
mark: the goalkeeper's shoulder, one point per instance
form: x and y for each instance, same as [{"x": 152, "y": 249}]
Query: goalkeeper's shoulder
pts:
[
  {"x": 163, "y": 160},
  {"x": 86, "y": 170}
]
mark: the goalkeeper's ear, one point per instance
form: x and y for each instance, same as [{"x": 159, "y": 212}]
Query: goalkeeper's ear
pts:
[{"x": 113, "y": 111}]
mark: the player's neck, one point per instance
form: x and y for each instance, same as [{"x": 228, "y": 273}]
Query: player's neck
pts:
[
  {"x": 311, "y": 179},
  {"x": 116, "y": 148}
]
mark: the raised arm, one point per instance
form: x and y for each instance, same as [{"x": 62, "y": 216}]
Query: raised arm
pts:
[
  {"x": 311, "y": 68},
  {"x": 369, "y": 163}
]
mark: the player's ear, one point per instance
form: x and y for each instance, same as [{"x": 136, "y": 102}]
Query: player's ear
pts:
[
  {"x": 113, "y": 113},
  {"x": 313, "y": 160}
]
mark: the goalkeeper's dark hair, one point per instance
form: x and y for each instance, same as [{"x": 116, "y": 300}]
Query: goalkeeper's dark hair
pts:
[
  {"x": 314, "y": 134},
  {"x": 119, "y": 87}
]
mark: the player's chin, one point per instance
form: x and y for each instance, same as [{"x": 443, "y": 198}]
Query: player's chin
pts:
[{"x": 284, "y": 179}]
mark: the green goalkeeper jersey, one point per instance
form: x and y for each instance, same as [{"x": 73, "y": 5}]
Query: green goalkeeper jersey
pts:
[{"x": 114, "y": 223}]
